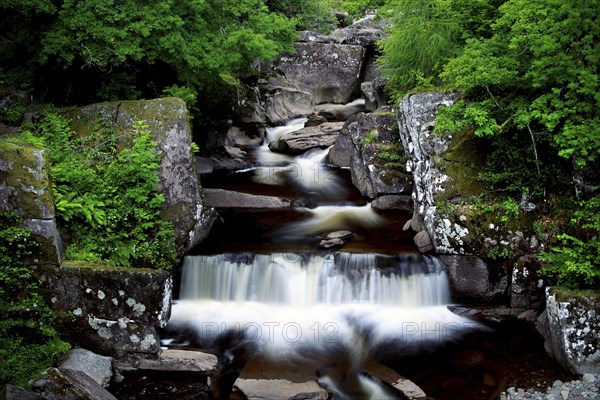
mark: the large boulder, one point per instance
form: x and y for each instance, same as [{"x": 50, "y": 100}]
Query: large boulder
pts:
[
  {"x": 110, "y": 310},
  {"x": 416, "y": 116},
  {"x": 365, "y": 32},
  {"x": 168, "y": 121},
  {"x": 68, "y": 384},
  {"x": 570, "y": 326},
  {"x": 25, "y": 189},
  {"x": 472, "y": 281},
  {"x": 369, "y": 145},
  {"x": 220, "y": 198},
  {"x": 285, "y": 103},
  {"x": 321, "y": 136},
  {"x": 330, "y": 72}
]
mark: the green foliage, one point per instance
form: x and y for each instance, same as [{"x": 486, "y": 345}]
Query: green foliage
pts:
[
  {"x": 105, "y": 189},
  {"x": 422, "y": 37},
  {"x": 574, "y": 261},
  {"x": 358, "y": 8},
  {"x": 315, "y": 15},
  {"x": 199, "y": 41},
  {"x": 537, "y": 74},
  {"x": 29, "y": 342},
  {"x": 184, "y": 93},
  {"x": 425, "y": 35}
]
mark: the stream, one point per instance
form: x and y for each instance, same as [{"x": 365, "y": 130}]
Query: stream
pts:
[{"x": 261, "y": 294}]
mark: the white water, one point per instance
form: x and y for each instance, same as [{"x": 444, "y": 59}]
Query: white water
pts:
[
  {"x": 289, "y": 305},
  {"x": 307, "y": 171},
  {"x": 324, "y": 219}
]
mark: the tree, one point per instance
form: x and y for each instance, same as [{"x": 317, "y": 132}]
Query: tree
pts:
[{"x": 133, "y": 48}]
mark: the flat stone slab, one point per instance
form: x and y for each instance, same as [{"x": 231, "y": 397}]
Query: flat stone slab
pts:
[
  {"x": 219, "y": 198},
  {"x": 280, "y": 389},
  {"x": 176, "y": 360}
]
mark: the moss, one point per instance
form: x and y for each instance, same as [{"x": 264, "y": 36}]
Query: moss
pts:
[
  {"x": 462, "y": 162},
  {"x": 24, "y": 168},
  {"x": 101, "y": 266},
  {"x": 570, "y": 295}
]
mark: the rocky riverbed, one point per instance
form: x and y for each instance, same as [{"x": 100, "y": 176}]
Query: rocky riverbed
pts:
[{"x": 588, "y": 387}]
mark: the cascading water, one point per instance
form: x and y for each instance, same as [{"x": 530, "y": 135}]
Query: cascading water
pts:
[{"x": 327, "y": 310}]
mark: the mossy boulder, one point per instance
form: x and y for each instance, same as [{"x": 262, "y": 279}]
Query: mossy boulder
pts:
[
  {"x": 168, "y": 121},
  {"x": 25, "y": 189},
  {"x": 110, "y": 310}
]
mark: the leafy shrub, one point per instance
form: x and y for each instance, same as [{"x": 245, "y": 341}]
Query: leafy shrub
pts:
[
  {"x": 575, "y": 261},
  {"x": 105, "y": 189},
  {"x": 29, "y": 342}
]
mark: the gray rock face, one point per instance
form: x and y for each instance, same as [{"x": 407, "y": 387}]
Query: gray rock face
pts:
[
  {"x": 97, "y": 367},
  {"x": 286, "y": 103},
  {"x": 472, "y": 281},
  {"x": 362, "y": 144},
  {"x": 330, "y": 72},
  {"x": 321, "y": 136},
  {"x": 25, "y": 189},
  {"x": 68, "y": 384},
  {"x": 220, "y": 198},
  {"x": 114, "y": 310},
  {"x": 11, "y": 392},
  {"x": 280, "y": 389},
  {"x": 168, "y": 123},
  {"x": 173, "y": 360},
  {"x": 365, "y": 32},
  {"x": 570, "y": 326},
  {"x": 416, "y": 115}
]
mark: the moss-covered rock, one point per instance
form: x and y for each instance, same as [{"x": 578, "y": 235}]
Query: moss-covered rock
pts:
[
  {"x": 25, "y": 189},
  {"x": 168, "y": 122}
]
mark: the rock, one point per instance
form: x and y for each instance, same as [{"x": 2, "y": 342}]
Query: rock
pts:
[
  {"x": 168, "y": 122},
  {"x": 570, "y": 326},
  {"x": 337, "y": 67},
  {"x": 416, "y": 115},
  {"x": 97, "y": 367},
  {"x": 67, "y": 384},
  {"x": 315, "y": 120},
  {"x": 238, "y": 137},
  {"x": 173, "y": 361},
  {"x": 340, "y": 112},
  {"x": 335, "y": 239},
  {"x": 365, "y": 32},
  {"x": 529, "y": 315},
  {"x": 280, "y": 389},
  {"x": 11, "y": 392},
  {"x": 423, "y": 242},
  {"x": 394, "y": 202},
  {"x": 340, "y": 235},
  {"x": 588, "y": 378},
  {"x": 526, "y": 288},
  {"x": 331, "y": 243},
  {"x": 113, "y": 310},
  {"x": 313, "y": 37},
  {"x": 473, "y": 281},
  {"x": 220, "y": 198},
  {"x": 321, "y": 136},
  {"x": 341, "y": 152},
  {"x": 362, "y": 141},
  {"x": 285, "y": 103},
  {"x": 25, "y": 189}
]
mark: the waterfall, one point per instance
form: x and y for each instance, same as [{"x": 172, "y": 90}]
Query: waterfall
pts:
[
  {"x": 286, "y": 304},
  {"x": 301, "y": 281}
]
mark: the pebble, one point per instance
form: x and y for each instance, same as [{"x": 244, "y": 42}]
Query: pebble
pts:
[{"x": 588, "y": 387}]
